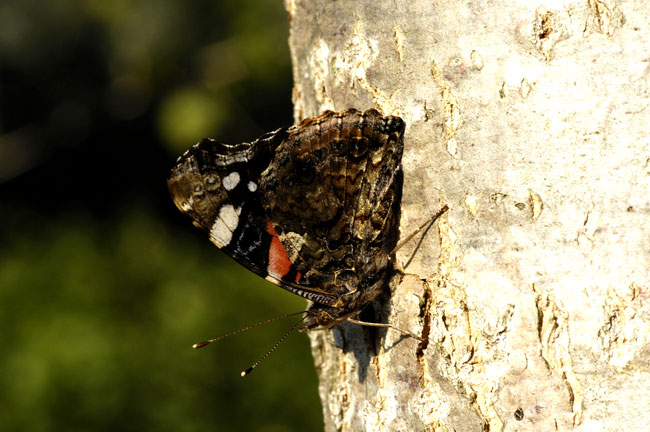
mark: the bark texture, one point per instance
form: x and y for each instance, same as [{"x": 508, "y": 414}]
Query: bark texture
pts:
[{"x": 531, "y": 121}]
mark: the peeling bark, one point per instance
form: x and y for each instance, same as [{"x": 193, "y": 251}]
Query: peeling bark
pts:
[{"x": 531, "y": 121}]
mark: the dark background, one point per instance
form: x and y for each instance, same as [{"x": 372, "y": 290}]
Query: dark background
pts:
[{"x": 104, "y": 285}]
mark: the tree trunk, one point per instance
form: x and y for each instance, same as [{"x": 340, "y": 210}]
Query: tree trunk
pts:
[{"x": 532, "y": 292}]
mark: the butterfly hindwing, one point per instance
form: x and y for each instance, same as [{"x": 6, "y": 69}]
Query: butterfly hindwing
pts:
[{"x": 331, "y": 192}]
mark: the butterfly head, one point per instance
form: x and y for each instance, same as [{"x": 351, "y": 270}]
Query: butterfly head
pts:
[{"x": 323, "y": 317}]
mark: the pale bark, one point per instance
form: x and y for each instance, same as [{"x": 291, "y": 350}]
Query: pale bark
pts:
[{"x": 530, "y": 120}]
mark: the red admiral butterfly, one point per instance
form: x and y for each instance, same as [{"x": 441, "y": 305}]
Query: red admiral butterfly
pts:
[{"x": 313, "y": 208}]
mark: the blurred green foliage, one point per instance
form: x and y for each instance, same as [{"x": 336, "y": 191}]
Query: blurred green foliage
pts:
[
  {"x": 104, "y": 286},
  {"x": 97, "y": 332}
]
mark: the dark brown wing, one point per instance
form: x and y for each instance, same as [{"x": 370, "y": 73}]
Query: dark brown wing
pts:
[{"x": 333, "y": 192}]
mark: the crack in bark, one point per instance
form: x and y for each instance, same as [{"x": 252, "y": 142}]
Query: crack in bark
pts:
[
  {"x": 554, "y": 337},
  {"x": 426, "y": 325},
  {"x": 625, "y": 333}
]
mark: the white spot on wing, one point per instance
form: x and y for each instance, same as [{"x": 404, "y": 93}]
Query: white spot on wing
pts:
[
  {"x": 224, "y": 225},
  {"x": 252, "y": 186},
  {"x": 231, "y": 180}
]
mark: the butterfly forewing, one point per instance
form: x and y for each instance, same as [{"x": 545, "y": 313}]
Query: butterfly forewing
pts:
[{"x": 216, "y": 185}]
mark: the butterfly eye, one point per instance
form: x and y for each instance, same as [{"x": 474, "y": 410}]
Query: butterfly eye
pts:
[{"x": 324, "y": 319}]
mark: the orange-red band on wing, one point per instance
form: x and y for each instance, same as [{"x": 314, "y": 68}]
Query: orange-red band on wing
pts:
[{"x": 279, "y": 262}]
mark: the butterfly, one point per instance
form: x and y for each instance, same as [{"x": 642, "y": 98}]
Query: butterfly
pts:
[{"x": 313, "y": 208}]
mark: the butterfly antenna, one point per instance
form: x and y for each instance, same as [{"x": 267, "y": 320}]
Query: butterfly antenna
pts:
[
  {"x": 277, "y": 344},
  {"x": 241, "y": 330},
  {"x": 420, "y": 228}
]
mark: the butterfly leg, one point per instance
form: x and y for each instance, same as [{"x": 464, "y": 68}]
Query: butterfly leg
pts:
[
  {"x": 431, "y": 220},
  {"x": 369, "y": 324}
]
